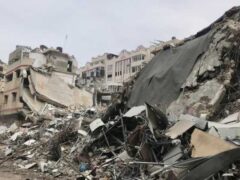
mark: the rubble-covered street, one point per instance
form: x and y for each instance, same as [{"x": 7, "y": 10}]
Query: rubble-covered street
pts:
[{"x": 177, "y": 119}]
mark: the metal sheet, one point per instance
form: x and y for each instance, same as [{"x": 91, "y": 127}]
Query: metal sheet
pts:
[
  {"x": 173, "y": 155},
  {"x": 96, "y": 124},
  {"x": 134, "y": 111}
]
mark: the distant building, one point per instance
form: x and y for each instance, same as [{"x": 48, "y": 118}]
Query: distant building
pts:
[
  {"x": 109, "y": 72},
  {"x": 165, "y": 45},
  {"x": 3, "y": 68},
  {"x": 95, "y": 69},
  {"x": 126, "y": 65}
]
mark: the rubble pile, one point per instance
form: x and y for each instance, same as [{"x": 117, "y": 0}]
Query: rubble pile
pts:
[
  {"x": 142, "y": 143},
  {"x": 47, "y": 141},
  {"x": 167, "y": 124}
]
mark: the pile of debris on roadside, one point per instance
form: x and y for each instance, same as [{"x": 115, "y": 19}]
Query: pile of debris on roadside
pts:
[
  {"x": 47, "y": 141},
  {"x": 174, "y": 139},
  {"x": 143, "y": 143}
]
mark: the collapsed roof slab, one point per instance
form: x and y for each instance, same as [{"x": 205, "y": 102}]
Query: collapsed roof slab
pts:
[{"x": 54, "y": 90}]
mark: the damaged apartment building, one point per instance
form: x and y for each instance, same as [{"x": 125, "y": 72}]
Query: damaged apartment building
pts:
[
  {"x": 113, "y": 70},
  {"x": 93, "y": 73},
  {"x": 40, "y": 76},
  {"x": 120, "y": 69},
  {"x": 109, "y": 72}
]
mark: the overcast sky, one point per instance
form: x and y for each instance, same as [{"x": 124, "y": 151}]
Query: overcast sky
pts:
[{"x": 94, "y": 27}]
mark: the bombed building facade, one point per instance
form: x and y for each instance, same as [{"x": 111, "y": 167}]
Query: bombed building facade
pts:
[
  {"x": 37, "y": 75},
  {"x": 109, "y": 71}
]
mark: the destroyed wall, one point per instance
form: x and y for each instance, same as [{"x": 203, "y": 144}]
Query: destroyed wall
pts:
[
  {"x": 38, "y": 59},
  {"x": 60, "y": 61},
  {"x": 161, "y": 79},
  {"x": 31, "y": 81},
  {"x": 194, "y": 77},
  {"x": 51, "y": 89},
  {"x": 66, "y": 77},
  {"x": 17, "y": 54},
  {"x": 214, "y": 74}
]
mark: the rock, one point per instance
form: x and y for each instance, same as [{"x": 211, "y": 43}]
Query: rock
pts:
[
  {"x": 8, "y": 151},
  {"x": 13, "y": 128},
  {"x": 27, "y": 125},
  {"x": 43, "y": 166},
  {"x": 28, "y": 166},
  {"x": 16, "y": 135},
  {"x": 30, "y": 142},
  {"x": 3, "y": 129}
]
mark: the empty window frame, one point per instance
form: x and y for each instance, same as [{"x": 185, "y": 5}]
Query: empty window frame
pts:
[
  {"x": 133, "y": 69},
  {"x": 69, "y": 66},
  {"x": 5, "y": 99},
  {"x": 14, "y": 97},
  {"x": 9, "y": 77},
  {"x": 18, "y": 72}
]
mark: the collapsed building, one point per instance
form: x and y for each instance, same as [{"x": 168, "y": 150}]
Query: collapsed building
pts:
[
  {"x": 196, "y": 75},
  {"x": 38, "y": 76},
  {"x": 178, "y": 119}
]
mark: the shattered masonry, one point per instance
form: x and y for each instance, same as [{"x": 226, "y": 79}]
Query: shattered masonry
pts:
[
  {"x": 178, "y": 119},
  {"x": 41, "y": 75}
]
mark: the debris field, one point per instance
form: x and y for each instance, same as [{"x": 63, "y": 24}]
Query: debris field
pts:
[{"x": 179, "y": 118}]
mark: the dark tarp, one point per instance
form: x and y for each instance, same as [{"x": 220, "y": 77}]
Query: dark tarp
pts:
[
  {"x": 160, "y": 81},
  {"x": 214, "y": 164}
]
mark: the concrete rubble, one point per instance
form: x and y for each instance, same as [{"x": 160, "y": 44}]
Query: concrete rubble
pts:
[
  {"x": 80, "y": 144},
  {"x": 40, "y": 76},
  {"x": 195, "y": 136}
]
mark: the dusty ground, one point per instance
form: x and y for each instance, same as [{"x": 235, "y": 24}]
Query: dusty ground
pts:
[{"x": 9, "y": 172}]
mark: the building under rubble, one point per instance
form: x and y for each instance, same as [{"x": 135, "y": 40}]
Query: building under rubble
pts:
[{"x": 38, "y": 76}]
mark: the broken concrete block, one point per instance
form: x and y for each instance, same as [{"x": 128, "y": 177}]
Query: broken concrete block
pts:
[
  {"x": 205, "y": 144},
  {"x": 16, "y": 135},
  {"x": 82, "y": 132},
  {"x": 13, "y": 128},
  {"x": 229, "y": 133},
  {"x": 199, "y": 123},
  {"x": 8, "y": 151},
  {"x": 218, "y": 96},
  {"x": 43, "y": 166},
  {"x": 3, "y": 129},
  {"x": 96, "y": 124},
  {"x": 173, "y": 155},
  {"x": 28, "y": 166},
  {"x": 30, "y": 142},
  {"x": 179, "y": 128},
  {"x": 26, "y": 125},
  {"x": 123, "y": 156},
  {"x": 233, "y": 118},
  {"x": 221, "y": 125},
  {"x": 134, "y": 111}
]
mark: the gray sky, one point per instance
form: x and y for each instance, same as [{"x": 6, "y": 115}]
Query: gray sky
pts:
[{"x": 97, "y": 26}]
